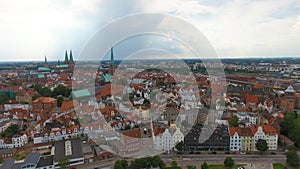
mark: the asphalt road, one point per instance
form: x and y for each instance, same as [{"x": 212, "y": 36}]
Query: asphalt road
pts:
[{"x": 252, "y": 161}]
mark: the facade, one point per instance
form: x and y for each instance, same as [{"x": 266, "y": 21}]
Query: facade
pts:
[
  {"x": 163, "y": 141},
  {"x": 177, "y": 137},
  {"x": 235, "y": 139},
  {"x": 268, "y": 133},
  {"x": 219, "y": 140},
  {"x": 19, "y": 140},
  {"x": 247, "y": 138}
]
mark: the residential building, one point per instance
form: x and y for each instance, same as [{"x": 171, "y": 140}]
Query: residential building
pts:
[
  {"x": 268, "y": 133},
  {"x": 19, "y": 140},
  {"x": 163, "y": 141},
  {"x": 44, "y": 103},
  {"x": 247, "y": 138},
  {"x": 177, "y": 136},
  {"x": 235, "y": 139},
  {"x": 71, "y": 149}
]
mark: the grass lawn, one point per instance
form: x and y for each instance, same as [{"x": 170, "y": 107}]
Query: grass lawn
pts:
[
  {"x": 281, "y": 166},
  {"x": 278, "y": 166},
  {"x": 21, "y": 155}
]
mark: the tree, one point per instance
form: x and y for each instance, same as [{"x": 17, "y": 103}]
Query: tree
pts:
[
  {"x": 11, "y": 130},
  {"x": 157, "y": 162},
  {"x": 228, "y": 162},
  {"x": 294, "y": 133},
  {"x": 179, "y": 146},
  {"x": 262, "y": 145},
  {"x": 46, "y": 92},
  {"x": 37, "y": 88},
  {"x": 121, "y": 164},
  {"x": 234, "y": 122},
  {"x": 204, "y": 166},
  {"x": 35, "y": 96},
  {"x": 174, "y": 164},
  {"x": 61, "y": 90},
  {"x": 59, "y": 101},
  {"x": 287, "y": 125},
  {"x": 64, "y": 162},
  {"x": 3, "y": 98},
  {"x": 292, "y": 158}
]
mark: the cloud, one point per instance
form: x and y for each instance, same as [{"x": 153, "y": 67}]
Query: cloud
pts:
[{"x": 30, "y": 29}]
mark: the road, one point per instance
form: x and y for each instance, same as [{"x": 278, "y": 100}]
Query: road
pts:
[{"x": 252, "y": 161}]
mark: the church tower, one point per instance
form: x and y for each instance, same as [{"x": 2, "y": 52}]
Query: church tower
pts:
[
  {"x": 112, "y": 62},
  {"x": 66, "y": 57},
  {"x": 71, "y": 57},
  {"x": 46, "y": 62}
]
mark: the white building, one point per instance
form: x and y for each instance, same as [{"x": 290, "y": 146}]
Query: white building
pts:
[
  {"x": 163, "y": 141},
  {"x": 177, "y": 137},
  {"x": 235, "y": 139},
  {"x": 268, "y": 133},
  {"x": 19, "y": 140}
]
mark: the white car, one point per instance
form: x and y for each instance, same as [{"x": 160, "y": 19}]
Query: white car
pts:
[{"x": 241, "y": 168}]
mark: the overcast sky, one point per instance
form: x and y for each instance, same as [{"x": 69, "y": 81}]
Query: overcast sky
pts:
[{"x": 31, "y": 29}]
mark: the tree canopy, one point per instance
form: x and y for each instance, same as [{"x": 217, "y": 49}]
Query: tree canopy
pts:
[
  {"x": 179, "y": 146},
  {"x": 292, "y": 158},
  {"x": 234, "y": 122},
  {"x": 262, "y": 145},
  {"x": 64, "y": 162},
  {"x": 228, "y": 162}
]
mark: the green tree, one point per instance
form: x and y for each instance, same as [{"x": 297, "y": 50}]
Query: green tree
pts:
[
  {"x": 59, "y": 101},
  {"x": 11, "y": 130},
  {"x": 64, "y": 162},
  {"x": 46, "y": 92},
  {"x": 121, "y": 164},
  {"x": 3, "y": 99},
  {"x": 35, "y": 96},
  {"x": 179, "y": 146},
  {"x": 37, "y": 88},
  {"x": 61, "y": 90},
  {"x": 262, "y": 145},
  {"x": 157, "y": 162},
  {"x": 294, "y": 133},
  {"x": 204, "y": 166},
  {"x": 228, "y": 162},
  {"x": 287, "y": 125},
  {"x": 174, "y": 164},
  {"x": 292, "y": 158},
  {"x": 234, "y": 122}
]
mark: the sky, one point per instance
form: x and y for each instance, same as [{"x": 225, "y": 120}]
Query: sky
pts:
[{"x": 31, "y": 29}]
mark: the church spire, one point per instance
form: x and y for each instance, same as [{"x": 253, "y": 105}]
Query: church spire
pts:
[
  {"x": 71, "y": 57},
  {"x": 112, "y": 61},
  {"x": 45, "y": 59},
  {"x": 66, "y": 57}
]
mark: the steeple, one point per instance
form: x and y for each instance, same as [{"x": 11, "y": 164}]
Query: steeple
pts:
[
  {"x": 45, "y": 59},
  {"x": 112, "y": 61},
  {"x": 66, "y": 57},
  {"x": 71, "y": 57}
]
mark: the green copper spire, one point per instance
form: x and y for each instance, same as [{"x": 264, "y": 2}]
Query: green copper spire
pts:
[
  {"x": 66, "y": 57},
  {"x": 112, "y": 61},
  {"x": 71, "y": 56}
]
